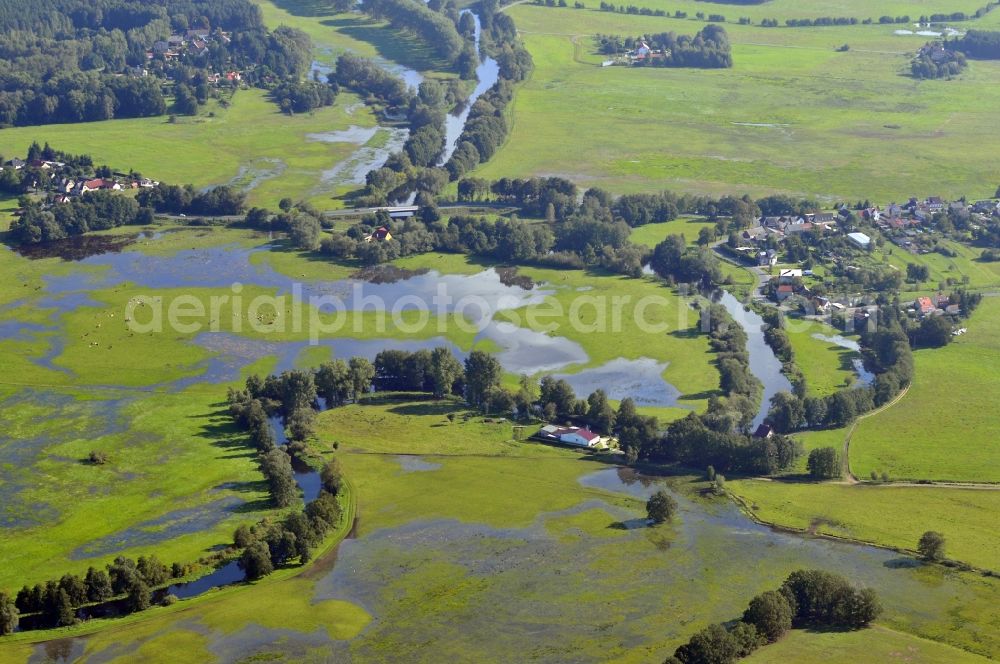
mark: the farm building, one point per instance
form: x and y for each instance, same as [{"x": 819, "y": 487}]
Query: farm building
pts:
[
  {"x": 860, "y": 240},
  {"x": 569, "y": 435}
]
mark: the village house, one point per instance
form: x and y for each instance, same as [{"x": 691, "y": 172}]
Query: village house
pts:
[
  {"x": 788, "y": 276},
  {"x": 924, "y": 306},
  {"x": 98, "y": 183},
  {"x": 569, "y": 436},
  {"x": 785, "y": 291},
  {"x": 767, "y": 258},
  {"x": 380, "y": 234}
]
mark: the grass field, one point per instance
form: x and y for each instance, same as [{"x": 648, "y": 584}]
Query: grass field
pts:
[
  {"x": 250, "y": 138},
  {"x": 826, "y": 366},
  {"x": 650, "y": 235},
  {"x": 943, "y": 429},
  {"x": 875, "y": 644},
  {"x": 733, "y": 131},
  {"x": 965, "y": 516}
]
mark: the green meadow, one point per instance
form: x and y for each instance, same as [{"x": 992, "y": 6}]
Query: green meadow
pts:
[
  {"x": 862, "y": 512},
  {"x": 249, "y": 143},
  {"x": 826, "y": 366},
  {"x": 944, "y": 428},
  {"x": 792, "y": 116},
  {"x": 875, "y": 644}
]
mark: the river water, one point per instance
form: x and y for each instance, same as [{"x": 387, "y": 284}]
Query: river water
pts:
[
  {"x": 763, "y": 362},
  {"x": 487, "y": 74}
]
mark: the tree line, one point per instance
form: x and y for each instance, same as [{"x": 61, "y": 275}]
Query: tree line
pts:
[
  {"x": 269, "y": 545},
  {"x": 55, "y": 603},
  {"x": 177, "y": 199},
  {"x": 978, "y": 44},
  {"x": 95, "y": 210},
  {"x": 813, "y": 599}
]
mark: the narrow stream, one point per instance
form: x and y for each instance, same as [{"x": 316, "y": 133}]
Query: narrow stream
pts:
[{"x": 487, "y": 74}]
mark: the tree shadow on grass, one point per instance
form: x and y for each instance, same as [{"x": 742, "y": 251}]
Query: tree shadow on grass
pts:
[
  {"x": 390, "y": 43},
  {"x": 441, "y": 408},
  {"x": 307, "y": 7}
]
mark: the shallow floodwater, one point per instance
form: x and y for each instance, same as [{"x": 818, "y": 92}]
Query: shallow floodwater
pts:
[
  {"x": 641, "y": 379},
  {"x": 865, "y": 377},
  {"x": 764, "y": 364},
  {"x": 439, "y": 587}
]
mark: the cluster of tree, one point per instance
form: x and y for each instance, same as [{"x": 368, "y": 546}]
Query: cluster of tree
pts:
[
  {"x": 75, "y": 61},
  {"x": 708, "y": 49},
  {"x": 978, "y": 44},
  {"x": 714, "y": 439},
  {"x": 177, "y": 199},
  {"x": 808, "y": 598},
  {"x": 435, "y": 29},
  {"x": 934, "y": 61},
  {"x": 95, "y": 210},
  {"x": 57, "y": 602},
  {"x": 363, "y": 75},
  {"x": 632, "y": 9},
  {"x": 673, "y": 259},
  {"x": 584, "y": 239},
  {"x": 298, "y": 96},
  {"x": 824, "y": 463},
  {"x": 436, "y": 371},
  {"x": 777, "y": 339},
  {"x": 269, "y": 545}
]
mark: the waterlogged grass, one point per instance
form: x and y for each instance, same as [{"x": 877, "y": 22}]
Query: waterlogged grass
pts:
[
  {"x": 67, "y": 514},
  {"x": 868, "y": 645},
  {"x": 889, "y": 515},
  {"x": 732, "y": 131},
  {"x": 944, "y": 428},
  {"x": 611, "y": 317}
]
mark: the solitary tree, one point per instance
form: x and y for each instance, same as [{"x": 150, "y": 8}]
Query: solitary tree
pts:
[
  {"x": 661, "y": 507},
  {"x": 931, "y": 546},
  {"x": 8, "y": 614},
  {"x": 824, "y": 463}
]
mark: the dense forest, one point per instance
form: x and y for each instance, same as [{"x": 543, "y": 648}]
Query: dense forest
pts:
[{"x": 76, "y": 61}]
